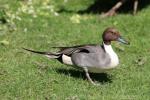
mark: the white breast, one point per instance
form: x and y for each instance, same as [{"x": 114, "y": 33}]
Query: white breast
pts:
[{"x": 113, "y": 56}]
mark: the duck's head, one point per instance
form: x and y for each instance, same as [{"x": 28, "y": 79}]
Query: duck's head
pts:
[{"x": 112, "y": 34}]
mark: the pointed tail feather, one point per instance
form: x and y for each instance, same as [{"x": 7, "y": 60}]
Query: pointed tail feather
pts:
[{"x": 47, "y": 54}]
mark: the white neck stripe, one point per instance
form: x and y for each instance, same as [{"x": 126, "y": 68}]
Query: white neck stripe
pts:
[{"x": 113, "y": 56}]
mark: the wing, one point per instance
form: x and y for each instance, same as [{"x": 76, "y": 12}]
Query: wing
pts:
[
  {"x": 77, "y": 46},
  {"x": 75, "y": 49}
]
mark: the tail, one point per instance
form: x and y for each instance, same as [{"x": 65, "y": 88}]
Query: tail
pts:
[{"x": 47, "y": 54}]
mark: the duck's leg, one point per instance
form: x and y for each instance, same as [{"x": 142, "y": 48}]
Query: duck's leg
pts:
[
  {"x": 113, "y": 10},
  {"x": 88, "y": 76},
  {"x": 135, "y": 7}
]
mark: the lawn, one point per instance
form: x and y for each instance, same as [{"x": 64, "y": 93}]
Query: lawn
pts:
[{"x": 37, "y": 25}]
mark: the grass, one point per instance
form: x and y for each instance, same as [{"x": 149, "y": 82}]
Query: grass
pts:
[{"x": 26, "y": 76}]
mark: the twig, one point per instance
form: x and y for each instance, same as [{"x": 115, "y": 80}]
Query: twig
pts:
[
  {"x": 135, "y": 7},
  {"x": 113, "y": 10}
]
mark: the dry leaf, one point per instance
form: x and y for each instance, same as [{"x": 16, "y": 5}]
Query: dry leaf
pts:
[{"x": 4, "y": 42}]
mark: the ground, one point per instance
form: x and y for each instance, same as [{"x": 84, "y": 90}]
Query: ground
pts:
[{"x": 26, "y": 76}]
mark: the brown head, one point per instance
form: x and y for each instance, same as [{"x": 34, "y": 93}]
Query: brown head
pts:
[{"x": 112, "y": 34}]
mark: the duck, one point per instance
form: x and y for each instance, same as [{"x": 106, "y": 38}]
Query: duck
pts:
[{"x": 91, "y": 58}]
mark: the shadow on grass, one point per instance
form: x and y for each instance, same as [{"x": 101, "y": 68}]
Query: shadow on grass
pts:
[
  {"x": 99, "y": 77},
  {"x": 101, "y": 6}
]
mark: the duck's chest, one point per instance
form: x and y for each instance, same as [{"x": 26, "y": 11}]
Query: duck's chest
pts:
[{"x": 114, "y": 60}]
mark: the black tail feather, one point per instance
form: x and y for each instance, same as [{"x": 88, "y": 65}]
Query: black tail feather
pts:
[{"x": 48, "y": 54}]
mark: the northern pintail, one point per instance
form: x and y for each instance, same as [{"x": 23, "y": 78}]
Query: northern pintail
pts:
[{"x": 90, "y": 58}]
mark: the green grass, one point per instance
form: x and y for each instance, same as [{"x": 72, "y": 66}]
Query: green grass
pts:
[{"x": 23, "y": 79}]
